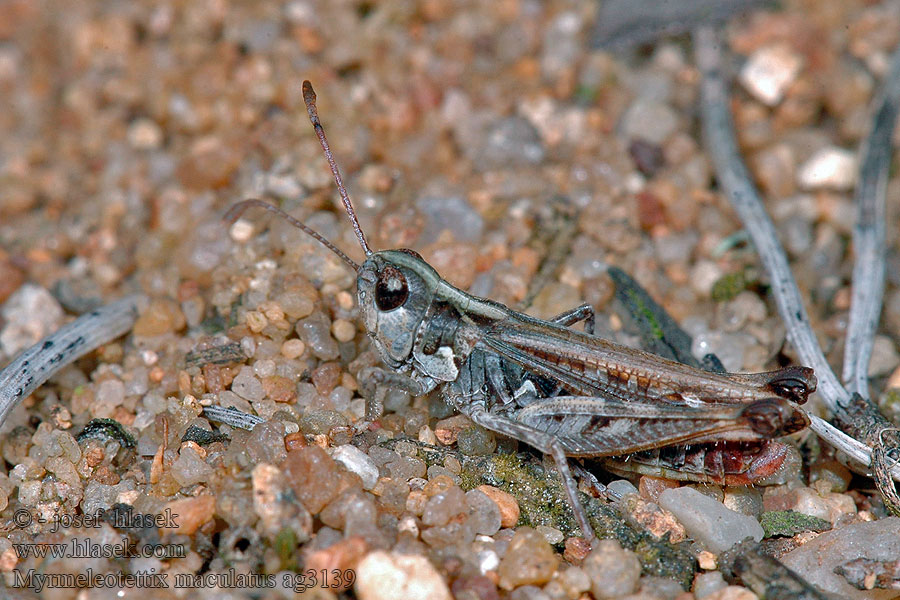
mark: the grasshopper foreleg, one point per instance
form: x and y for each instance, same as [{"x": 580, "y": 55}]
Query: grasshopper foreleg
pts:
[
  {"x": 378, "y": 381},
  {"x": 546, "y": 444}
]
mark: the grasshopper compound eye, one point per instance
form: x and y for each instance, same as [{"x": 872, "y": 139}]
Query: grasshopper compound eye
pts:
[{"x": 391, "y": 290}]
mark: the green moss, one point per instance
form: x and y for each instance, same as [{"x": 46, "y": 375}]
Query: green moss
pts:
[
  {"x": 285, "y": 544},
  {"x": 658, "y": 556},
  {"x": 788, "y": 523},
  {"x": 729, "y": 286},
  {"x": 543, "y": 501},
  {"x": 585, "y": 94},
  {"x": 890, "y": 404},
  {"x": 647, "y": 313}
]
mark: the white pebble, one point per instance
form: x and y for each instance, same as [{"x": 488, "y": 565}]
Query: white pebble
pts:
[
  {"x": 189, "y": 468},
  {"x": 343, "y": 330},
  {"x": 621, "y": 488},
  {"x": 293, "y": 348},
  {"x": 706, "y": 584},
  {"x": 884, "y": 357},
  {"x": 144, "y": 134},
  {"x": 769, "y": 72},
  {"x": 551, "y": 534},
  {"x": 149, "y": 357},
  {"x": 387, "y": 576},
  {"x": 613, "y": 571},
  {"x": 241, "y": 230},
  {"x": 247, "y": 386},
  {"x": 643, "y": 111},
  {"x": 110, "y": 394},
  {"x": 728, "y": 347},
  {"x": 264, "y": 368},
  {"x": 484, "y": 514},
  {"x": 829, "y": 168},
  {"x": 31, "y": 313},
  {"x": 487, "y": 561},
  {"x": 704, "y": 275},
  {"x": 707, "y": 520},
  {"x": 357, "y": 462}
]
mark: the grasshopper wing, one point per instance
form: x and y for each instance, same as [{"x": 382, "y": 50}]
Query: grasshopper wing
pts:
[
  {"x": 591, "y": 426},
  {"x": 591, "y": 366}
]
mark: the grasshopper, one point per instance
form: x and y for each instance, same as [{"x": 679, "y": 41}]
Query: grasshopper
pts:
[{"x": 567, "y": 393}]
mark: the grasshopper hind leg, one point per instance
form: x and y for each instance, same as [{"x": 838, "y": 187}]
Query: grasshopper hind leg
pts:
[{"x": 546, "y": 444}]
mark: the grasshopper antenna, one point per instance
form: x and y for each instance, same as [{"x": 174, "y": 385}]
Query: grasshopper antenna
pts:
[
  {"x": 238, "y": 209},
  {"x": 309, "y": 97}
]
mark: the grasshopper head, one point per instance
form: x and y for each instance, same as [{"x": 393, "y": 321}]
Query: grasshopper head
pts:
[{"x": 395, "y": 288}]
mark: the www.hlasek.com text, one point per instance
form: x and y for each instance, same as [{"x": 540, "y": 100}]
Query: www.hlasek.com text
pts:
[{"x": 87, "y": 548}]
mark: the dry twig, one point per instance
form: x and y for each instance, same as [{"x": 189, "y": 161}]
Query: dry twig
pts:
[{"x": 736, "y": 182}]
